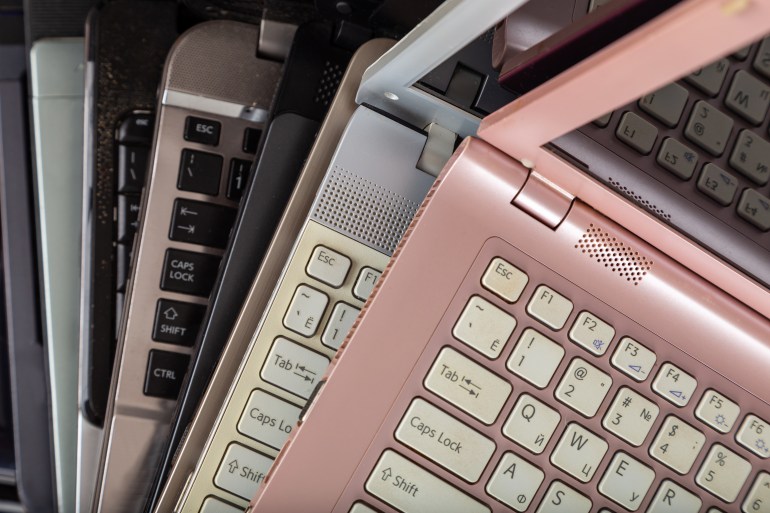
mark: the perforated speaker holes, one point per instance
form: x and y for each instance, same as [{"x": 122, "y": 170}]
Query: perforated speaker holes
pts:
[
  {"x": 640, "y": 200},
  {"x": 616, "y": 256}
]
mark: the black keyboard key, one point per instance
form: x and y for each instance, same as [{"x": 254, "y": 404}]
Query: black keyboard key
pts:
[
  {"x": 165, "y": 372},
  {"x": 132, "y": 166},
  {"x": 120, "y": 299},
  {"x": 128, "y": 217},
  {"x": 189, "y": 273},
  {"x": 201, "y": 130},
  {"x": 136, "y": 129},
  {"x": 236, "y": 181},
  {"x": 177, "y": 322},
  {"x": 251, "y": 140},
  {"x": 124, "y": 265},
  {"x": 200, "y": 172},
  {"x": 201, "y": 223}
]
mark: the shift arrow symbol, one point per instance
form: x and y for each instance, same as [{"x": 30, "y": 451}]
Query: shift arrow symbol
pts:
[
  {"x": 233, "y": 466},
  {"x": 386, "y": 474}
]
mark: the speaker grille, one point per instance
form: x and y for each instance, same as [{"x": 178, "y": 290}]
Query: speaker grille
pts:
[
  {"x": 615, "y": 255},
  {"x": 364, "y": 210},
  {"x": 640, "y": 200},
  {"x": 327, "y": 86}
]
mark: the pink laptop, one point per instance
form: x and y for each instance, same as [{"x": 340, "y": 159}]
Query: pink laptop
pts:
[{"x": 539, "y": 343}]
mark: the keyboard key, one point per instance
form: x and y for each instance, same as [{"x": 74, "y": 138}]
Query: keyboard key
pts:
[
  {"x": 360, "y": 507},
  {"x": 626, "y": 481},
  {"x": 753, "y": 436},
  {"x": 203, "y": 131},
  {"x": 583, "y": 387},
  {"x": 709, "y": 79},
  {"x": 718, "y": 411},
  {"x": 268, "y": 419},
  {"x": 748, "y": 97},
  {"x": 132, "y": 167},
  {"x": 328, "y": 266},
  {"x": 637, "y": 133},
  {"x": 241, "y": 471},
  {"x": 723, "y": 473},
  {"x": 341, "y": 320},
  {"x": 717, "y": 184},
  {"x": 177, "y": 322},
  {"x": 594, "y": 4},
  {"x": 237, "y": 178},
  {"x": 484, "y": 327},
  {"x": 531, "y": 424},
  {"x": 504, "y": 280},
  {"x": 560, "y": 498},
  {"x": 758, "y": 498},
  {"x": 674, "y": 385},
  {"x": 293, "y": 367},
  {"x": 709, "y": 128},
  {"x": 762, "y": 60},
  {"x": 445, "y": 440},
  {"x": 631, "y": 416},
  {"x": 666, "y": 104},
  {"x": 199, "y": 172},
  {"x": 751, "y": 156},
  {"x": 251, "y": 140},
  {"x": 535, "y": 358},
  {"x": 677, "y": 158},
  {"x": 123, "y": 265},
  {"x": 212, "y": 505},
  {"x": 467, "y": 385},
  {"x": 189, "y": 273},
  {"x": 591, "y": 333},
  {"x": 128, "y": 217},
  {"x": 672, "y": 498},
  {"x": 549, "y": 307},
  {"x": 411, "y": 489},
  {"x": 579, "y": 452},
  {"x": 136, "y": 128},
  {"x": 365, "y": 283},
  {"x": 634, "y": 359},
  {"x": 677, "y": 444},
  {"x": 742, "y": 53},
  {"x": 603, "y": 121},
  {"x": 515, "y": 482},
  {"x": 755, "y": 208},
  {"x": 201, "y": 223},
  {"x": 306, "y": 310},
  {"x": 165, "y": 372}
]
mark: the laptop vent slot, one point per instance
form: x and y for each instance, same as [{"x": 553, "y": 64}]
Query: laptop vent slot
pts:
[
  {"x": 364, "y": 210},
  {"x": 615, "y": 255},
  {"x": 640, "y": 200},
  {"x": 327, "y": 86}
]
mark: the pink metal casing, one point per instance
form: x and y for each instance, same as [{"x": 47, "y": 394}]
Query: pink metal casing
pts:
[{"x": 681, "y": 316}]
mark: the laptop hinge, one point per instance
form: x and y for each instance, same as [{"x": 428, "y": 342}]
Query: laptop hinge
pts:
[
  {"x": 543, "y": 200},
  {"x": 275, "y": 38},
  {"x": 438, "y": 148}
]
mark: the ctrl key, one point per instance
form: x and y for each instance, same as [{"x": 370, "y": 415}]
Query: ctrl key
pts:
[
  {"x": 412, "y": 489},
  {"x": 165, "y": 372}
]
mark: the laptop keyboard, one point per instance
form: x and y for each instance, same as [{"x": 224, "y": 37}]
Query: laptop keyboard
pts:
[
  {"x": 709, "y": 129},
  {"x": 540, "y": 397}
]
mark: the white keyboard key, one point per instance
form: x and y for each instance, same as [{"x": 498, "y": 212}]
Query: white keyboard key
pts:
[
  {"x": 515, "y": 482},
  {"x": 723, "y": 473},
  {"x": 672, "y": 498},
  {"x": 445, "y": 440},
  {"x": 626, "y": 481},
  {"x": 212, "y": 505},
  {"x": 531, "y": 423},
  {"x": 341, "y": 320},
  {"x": 677, "y": 444},
  {"x": 293, "y": 367},
  {"x": 718, "y": 411},
  {"x": 365, "y": 283},
  {"x": 560, "y": 498},
  {"x": 411, "y": 489},
  {"x": 484, "y": 327},
  {"x": 535, "y": 358},
  {"x": 468, "y": 385},
  {"x": 504, "y": 280},
  {"x": 634, "y": 359},
  {"x": 579, "y": 452},
  {"x": 753, "y": 435},
  {"x": 758, "y": 498},
  {"x": 305, "y": 310},
  {"x": 674, "y": 385},
  {"x": 592, "y": 333},
  {"x": 241, "y": 471},
  {"x": 583, "y": 387},
  {"x": 549, "y": 307},
  {"x": 268, "y": 419},
  {"x": 631, "y": 416},
  {"x": 328, "y": 266},
  {"x": 360, "y": 507}
]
